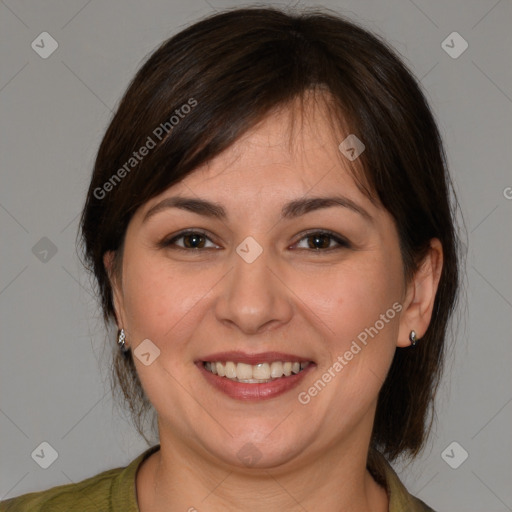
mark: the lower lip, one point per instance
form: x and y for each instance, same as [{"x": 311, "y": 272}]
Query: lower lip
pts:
[{"x": 245, "y": 391}]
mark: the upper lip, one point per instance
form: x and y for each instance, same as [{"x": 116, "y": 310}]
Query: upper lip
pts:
[{"x": 253, "y": 358}]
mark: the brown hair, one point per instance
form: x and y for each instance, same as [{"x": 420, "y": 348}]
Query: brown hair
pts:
[{"x": 232, "y": 69}]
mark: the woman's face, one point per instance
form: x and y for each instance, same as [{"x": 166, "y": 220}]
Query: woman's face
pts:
[{"x": 266, "y": 273}]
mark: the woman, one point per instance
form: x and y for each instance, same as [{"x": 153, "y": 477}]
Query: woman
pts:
[{"x": 270, "y": 225}]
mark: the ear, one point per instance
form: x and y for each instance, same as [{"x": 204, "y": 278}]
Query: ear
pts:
[
  {"x": 117, "y": 292},
  {"x": 420, "y": 295}
]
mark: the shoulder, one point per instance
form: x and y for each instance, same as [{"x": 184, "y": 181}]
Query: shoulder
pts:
[
  {"x": 109, "y": 491},
  {"x": 89, "y": 494}
]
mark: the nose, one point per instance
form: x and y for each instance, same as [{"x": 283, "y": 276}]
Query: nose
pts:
[{"x": 252, "y": 297}]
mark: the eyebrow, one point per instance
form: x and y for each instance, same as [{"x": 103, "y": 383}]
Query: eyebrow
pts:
[{"x": 290, "y": 210}]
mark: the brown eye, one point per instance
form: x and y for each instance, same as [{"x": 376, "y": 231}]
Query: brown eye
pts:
[
  {"x": 322, "y": 241},
  {"x": 194, "y": 241},
  {"x": 188, "y": 240},
  {"x": 319, "y": 241}
]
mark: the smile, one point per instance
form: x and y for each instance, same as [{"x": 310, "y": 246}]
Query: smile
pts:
[
  {"x": 255, "y": 373},
  {"x": 254, "y": 376}
]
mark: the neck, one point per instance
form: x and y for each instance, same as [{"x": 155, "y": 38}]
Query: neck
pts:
[{"x": 180, "y": 478}]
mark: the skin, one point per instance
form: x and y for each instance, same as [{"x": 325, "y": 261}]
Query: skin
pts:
[{"x": 292, "y": 298}]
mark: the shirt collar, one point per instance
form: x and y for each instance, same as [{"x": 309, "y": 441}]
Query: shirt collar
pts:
[{"x": 399, "y": 498}]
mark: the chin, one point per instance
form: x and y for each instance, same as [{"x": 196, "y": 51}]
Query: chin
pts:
[{"x": 257, "y": 451}]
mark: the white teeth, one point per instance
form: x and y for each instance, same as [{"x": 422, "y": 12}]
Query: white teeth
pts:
[
  {"x": 276, "y": 369},
  {"x": 243, "y": 371},
  {"x": 230, "y": 370},
  {"x": 261, "y": 372},
  {"x": 220, "y": 369}
]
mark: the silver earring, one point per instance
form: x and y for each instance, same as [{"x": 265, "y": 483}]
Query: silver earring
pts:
[
  {"x": 121, "y": 337},
  {"x": 413, "y": 338}
]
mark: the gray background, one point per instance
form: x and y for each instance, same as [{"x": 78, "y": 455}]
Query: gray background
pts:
[{"x": 54, "y": 364}]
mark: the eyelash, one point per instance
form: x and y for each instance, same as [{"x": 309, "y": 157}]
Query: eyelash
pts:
[{"x": 169, "y": 243}]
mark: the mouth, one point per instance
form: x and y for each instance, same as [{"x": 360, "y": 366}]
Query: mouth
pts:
[{"x": 254, "y": 376}]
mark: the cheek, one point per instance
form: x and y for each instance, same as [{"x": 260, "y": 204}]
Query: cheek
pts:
[
  {"x": 153, "y": 297},
  {"x": 358, "y": 308},
  {"x": 354, "y": 297},
  {"x": 165, "y": 303}
]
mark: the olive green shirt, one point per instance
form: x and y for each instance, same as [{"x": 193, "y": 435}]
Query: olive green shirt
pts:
[{"x": 115, "y": 491}]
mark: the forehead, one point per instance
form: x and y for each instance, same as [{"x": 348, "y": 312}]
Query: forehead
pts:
[{"x": 293, "y": 148}]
